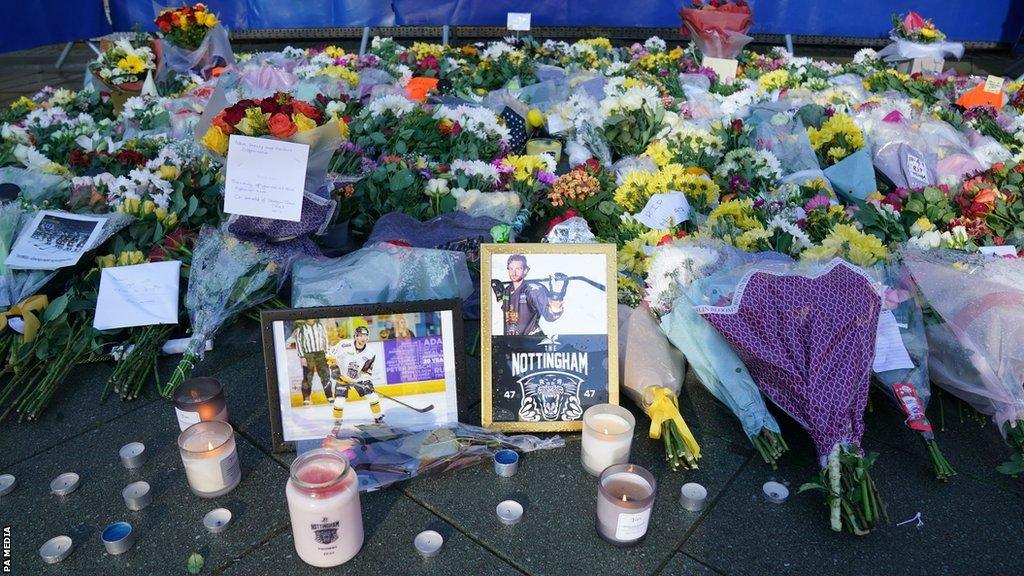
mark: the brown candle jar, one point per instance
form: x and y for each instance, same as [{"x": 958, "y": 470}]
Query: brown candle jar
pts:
[{"x": 199, "y": 400}]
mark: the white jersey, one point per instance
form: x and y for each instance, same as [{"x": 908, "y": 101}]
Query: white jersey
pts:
[{"x": 352, "y": 362}]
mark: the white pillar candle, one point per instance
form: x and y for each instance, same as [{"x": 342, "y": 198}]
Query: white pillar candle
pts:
[
  {"x": 323, "y": 504},
  {"x": 210, "y": 457},
  {"x": 625, "y": 498},
  {"x": 607, "y": 436}
]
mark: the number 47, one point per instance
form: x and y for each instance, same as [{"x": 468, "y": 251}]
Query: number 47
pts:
[
  {"x": 510, "y": 394},
  {"x": 589, "y": 393}
]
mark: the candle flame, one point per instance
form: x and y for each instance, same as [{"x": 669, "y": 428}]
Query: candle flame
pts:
[
  {"x": 624, "y": 498},
  {"x": 209, "y": 446},
  {"x": 605, "y": 430},
  {"x": 194, "y": 394}
]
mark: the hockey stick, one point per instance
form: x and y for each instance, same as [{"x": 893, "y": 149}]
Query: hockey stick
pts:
[{"x": 420, "y": 410}]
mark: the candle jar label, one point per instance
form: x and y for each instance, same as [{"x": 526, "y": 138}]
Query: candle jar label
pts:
[
  {"x": 632, "y": 526},
  {"x": 186, "y": 419},
  {"x": 326, "y": 533},
  {"x": 229, "y": 469}
]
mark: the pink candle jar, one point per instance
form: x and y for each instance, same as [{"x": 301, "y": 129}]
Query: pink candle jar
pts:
[{"x": 323, "y": 503}]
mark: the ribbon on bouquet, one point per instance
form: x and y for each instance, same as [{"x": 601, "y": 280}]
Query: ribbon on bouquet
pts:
[
  {"x": 29, "y": 311},
  {"x": 664, "y": 408}
]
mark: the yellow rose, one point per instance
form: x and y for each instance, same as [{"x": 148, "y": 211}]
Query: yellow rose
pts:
[
  {"x": 105, "y": 261},
  {"x": 303, "y": 123},
  {"x": 928, "y": 32},
  {"x": 210, "y": 20},
  {"x": 535, "y": 118},
  {"x": 171, "y": 220},
  {"x": 168, "y": 172},
  {"x": 160, "y": 213},
  {"x": 215, "y": 140},
  {"x": 131, "y": 205}
]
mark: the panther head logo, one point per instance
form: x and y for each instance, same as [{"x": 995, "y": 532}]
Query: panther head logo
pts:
[{"x": 551, "y": 396}]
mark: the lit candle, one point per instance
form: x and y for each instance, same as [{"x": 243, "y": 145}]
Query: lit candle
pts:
[
  {"x": 199, "y": 400},
  {"x": 625, "y": 497},
  {"x": 323, "y": 504},
  {"x": 210, "y": 458},
  {"x": 607, "y": 435}
]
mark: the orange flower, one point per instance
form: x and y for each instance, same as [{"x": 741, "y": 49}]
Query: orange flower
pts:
[
  {"x": 305, "y": 109},
  {"x": 281, "y": 126},
  {"x": 221, "y": 123},
  {"x": 986, "y": 197}
]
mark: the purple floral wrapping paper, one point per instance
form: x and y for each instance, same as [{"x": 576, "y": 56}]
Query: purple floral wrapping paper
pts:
[{"x": 808, "y": 342}]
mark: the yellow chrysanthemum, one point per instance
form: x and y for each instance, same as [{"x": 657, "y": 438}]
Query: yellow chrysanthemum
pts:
[
  {"x": 739, "y": 213},
  {"x": 773, "y": 80},
  {"x": 131, "y": 64},
  {"x": 23, "y": 103},
  {"x": 845, "y": 241},
  {"x": 749, "y": 241},
  {"x": 334, "y": 51},
  {"x": 659, "y": 152},
  {"x": 342, "y": 73},
  {"x": 525, "y": 167}
]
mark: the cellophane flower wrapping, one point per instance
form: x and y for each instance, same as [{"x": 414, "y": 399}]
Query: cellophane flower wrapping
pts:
[
  {"x": 898, "y": 150},
  {"x": 807, "y": 336},
  {"x": 215, "y": 51},
  {"x": 383, "y": 455},
  {"x": 646, "y": 359},
  {"x": 719, "y": 32},
  {"x": 977, "y": 350},
  {"x": 399, "y": 274},
  {"x": 777, "y": 129},
  {"x": 227, "y": 276},
  {"x": 903, "y": 49}
]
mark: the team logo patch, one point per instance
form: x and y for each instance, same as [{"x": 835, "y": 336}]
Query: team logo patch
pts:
[{"x": 325, "y": 532}]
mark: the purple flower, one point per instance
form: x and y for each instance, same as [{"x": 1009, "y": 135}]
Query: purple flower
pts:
[
  {"x": 738, "y": 184},
  {"x": 426, "y": 173},
  {"x": 759, "y": 203},
  {"x": 546, "y": 177}
]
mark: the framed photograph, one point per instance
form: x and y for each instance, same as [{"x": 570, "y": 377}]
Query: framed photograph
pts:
[
  {"x": 548, "y": 334},
  {"x": 393, "y": 364}
]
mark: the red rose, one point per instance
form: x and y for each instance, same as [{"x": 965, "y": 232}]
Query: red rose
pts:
[
  {"x": 269, "y": 106},
  {"x": 233, "y": 114},
  {"x": 164, "y": 26},
  {"x": 306, "y": 110}
]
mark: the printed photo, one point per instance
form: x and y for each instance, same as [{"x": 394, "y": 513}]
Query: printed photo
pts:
[
  {"x": 395, "y": 369},
  {"x": 549, "y": 331},
  {"x": 54, "y": 240}
]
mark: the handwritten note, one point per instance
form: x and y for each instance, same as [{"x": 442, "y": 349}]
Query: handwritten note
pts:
[
  {"x": 664, "y": 210},
  {"x": 993, "y": 84},
  {"x": 723, "y": 67},
  {"x": 890, "y": 353},
  {"x": 265, "y": 178},
  {"x": 519, "y": 21},
  {"x": 140, "y": 295}
]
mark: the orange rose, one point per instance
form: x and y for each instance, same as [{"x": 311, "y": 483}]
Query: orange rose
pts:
[
  {"x": 986, "y": 197},
  {"x": 305, "y": 109},
  {"x": 281, "y": 126},
  {"x": 221, "y": 123}
]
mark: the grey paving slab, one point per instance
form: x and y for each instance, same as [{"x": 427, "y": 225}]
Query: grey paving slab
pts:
[
  {"x": 168, "y": 530},
  {"x": 391, "y": 520},
  {"x": 969, "y": 528},
  {"x": 683, "y": 565},
  {"x": 557, "y": 534}
]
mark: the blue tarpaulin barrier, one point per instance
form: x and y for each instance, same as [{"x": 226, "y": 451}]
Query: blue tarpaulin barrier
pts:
[
  {"x": 50, "y": 21},
  {"x": 40, "y": 22}
]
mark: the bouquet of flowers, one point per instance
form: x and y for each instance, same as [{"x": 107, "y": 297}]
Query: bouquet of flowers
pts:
[
  {"x": 652, "y": 378},
  {"x": 193, "y": 40},
  {"x": 914, "y": 37},
  {"x": 124, "y": 65},
  {"x": 913, "y": 28},
  {"x": 631, "y": 118},
  {"x": 674, "y": 268},
  {"x": 746, "y": 172},
  {"x": 718, "y": 28},
  {"x": 586, "y": 190},
  {"x": 688, "y": 145},
  {"x": 807, "y": 336},
  {"x": 973, "y": 349},
  {"x": 839, "y": 144},
  {"x": 227, "y": 276}
]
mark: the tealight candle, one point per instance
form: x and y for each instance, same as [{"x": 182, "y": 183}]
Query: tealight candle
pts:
[
  {"x": 56, "y": 549},
  {"x": 693, "y": 496},
  {"x": 137, "y": 495},
  {"x": 210, "y": 457},
  {"x": 428, "y": 543},
  {"x": 133, "y": 455},
  {"x": 607, "y": 436},
  {"x": 199, "y": 400},
  {"x": 65, "y": 484},
  {"x": 625, "y": 497},
  {"x": 118, "y": 538},
  {"x": 7, "y": 484},
  {"x": 323, "y": 505},
  {"x": 509, "y": 512},
  {"x": 217, "y": 520},
  {"x": 775, "y": 492}
]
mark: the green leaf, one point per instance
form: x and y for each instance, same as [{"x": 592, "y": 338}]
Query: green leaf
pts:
[
  {"x": 195, "y": 563},
  {"x": 56, "y": 308}
]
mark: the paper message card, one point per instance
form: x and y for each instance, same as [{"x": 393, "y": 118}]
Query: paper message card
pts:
[
  {"x": 664, "y": 210},
  {"x": 994, "y": 84},
  {"x": 723, "y": 67},
  {"x": 519, "y": 21},
  {"x": 54, "y": 240},
  {"x": 265, "y": 178},
  {"x": 140, "y": 295},
  {"x": 890, "y": 353}
]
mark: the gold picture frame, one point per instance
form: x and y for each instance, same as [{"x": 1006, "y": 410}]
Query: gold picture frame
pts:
[{"x": 603, "y": 276}]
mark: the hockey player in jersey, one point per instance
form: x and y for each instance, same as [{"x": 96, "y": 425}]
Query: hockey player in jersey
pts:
[
  {"x": 523, "y": 304},
  {"x": 355, "y": 364},
  {"x": 311, "y": 343}
]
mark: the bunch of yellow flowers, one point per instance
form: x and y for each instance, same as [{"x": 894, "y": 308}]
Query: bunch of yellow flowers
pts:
[{"x": 837, "y": 138}]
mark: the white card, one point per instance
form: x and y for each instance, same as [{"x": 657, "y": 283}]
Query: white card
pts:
[
  {"x": 724, "y": 67},
  {"x": 664, "y": 210},
  {"x": 1007, "y": 250},
  {"x": 265, "y": 178},
  {"x": 54, "y": 240},
  {"x": 519, "y": 21},
  {"x": 993, "y": 84},
  {"x": 890, "y": 353},
  {"x": 555, "y": 124},
  {"x": 140, "y": 295}
]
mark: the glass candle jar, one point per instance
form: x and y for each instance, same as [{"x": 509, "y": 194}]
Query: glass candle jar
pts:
[
  {"x": 625, "y": 498},
  {"x": 607, "y": 436},
  {"x": 323, "y": 504},
  {"x": 545, "y": 145},
  {"x": 199, "y": 400},
  {"x": 210, "y": 457}
]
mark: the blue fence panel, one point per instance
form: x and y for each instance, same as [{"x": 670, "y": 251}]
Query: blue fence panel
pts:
[
  {"x": 264, "y": 14},
  {"x": 39, "y": 22}
]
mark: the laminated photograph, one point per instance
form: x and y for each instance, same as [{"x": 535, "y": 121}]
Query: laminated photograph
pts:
[
  {"x": 346, "y": 366},
  {"x": 55, "y": 240},
  {"x": 548, "y": 334}
]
